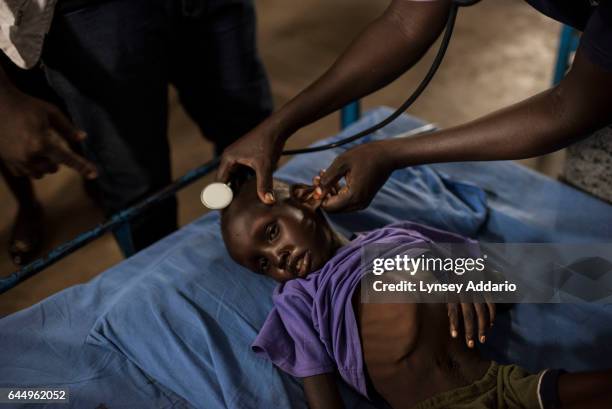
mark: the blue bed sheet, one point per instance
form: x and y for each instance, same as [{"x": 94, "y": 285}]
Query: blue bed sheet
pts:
[{"x": 171, "y": 326}]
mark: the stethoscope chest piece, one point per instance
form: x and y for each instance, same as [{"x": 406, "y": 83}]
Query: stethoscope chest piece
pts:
[{"x": 217, "y": 196}]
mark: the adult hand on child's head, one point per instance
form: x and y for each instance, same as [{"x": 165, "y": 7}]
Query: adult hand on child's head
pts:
[
  {"x": 477, "y": 318},
  {"x": 34, "y": 135},
  {"x": 364, "y": 168},
  {"x": 260, "y": 150}
]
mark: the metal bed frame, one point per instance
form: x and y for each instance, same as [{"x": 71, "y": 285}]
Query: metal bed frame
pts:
[{"x": 568, "y": 43}]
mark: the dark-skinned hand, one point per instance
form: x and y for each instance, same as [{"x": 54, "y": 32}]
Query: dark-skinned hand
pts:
[
  {"x": 34, "y": 135},
  {"x": 477, "y": 319},
  {"x": 260, "y": 150},
  {"x": 364, "y": 168}
]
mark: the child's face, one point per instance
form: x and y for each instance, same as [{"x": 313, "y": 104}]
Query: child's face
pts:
[{"x": 287, "y": 240}]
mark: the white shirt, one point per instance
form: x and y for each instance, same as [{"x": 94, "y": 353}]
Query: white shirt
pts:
[{"x": 23, "y": 27}]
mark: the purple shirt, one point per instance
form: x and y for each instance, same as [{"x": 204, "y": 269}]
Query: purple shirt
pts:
[{"x": 312, "y": 328}]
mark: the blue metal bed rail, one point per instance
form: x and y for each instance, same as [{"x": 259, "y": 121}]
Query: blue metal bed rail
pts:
[
  {"x": 119, "y": 221},
  {"x": 115, "y": 222},
  {"x": 569, "y": 39}
]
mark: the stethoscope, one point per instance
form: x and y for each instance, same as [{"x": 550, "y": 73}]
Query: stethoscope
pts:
[{"x": 219, "y": 195}]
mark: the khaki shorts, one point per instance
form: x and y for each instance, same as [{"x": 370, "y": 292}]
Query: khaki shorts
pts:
[{"x": 502, "y": 387}]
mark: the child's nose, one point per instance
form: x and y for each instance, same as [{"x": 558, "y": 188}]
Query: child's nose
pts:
[
  {"x": 282, "y": 259},
  {"x": 281, "y": 253}
]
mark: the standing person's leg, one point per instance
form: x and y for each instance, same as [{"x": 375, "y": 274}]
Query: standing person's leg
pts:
[
  {"x": 26, "y": 237},
  {"x": 27, "y": 234},
  {"x": 107, "y": 60},
  {"x": 221, "y": 81}
]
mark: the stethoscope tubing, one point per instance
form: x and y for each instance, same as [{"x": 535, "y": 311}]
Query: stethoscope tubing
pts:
[{"x": 448, "y": 32}]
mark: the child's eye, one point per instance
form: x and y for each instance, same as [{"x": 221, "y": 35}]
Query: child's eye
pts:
[
  {"x": 272, "y": 231},
  {"x": 264, "y": 264}
]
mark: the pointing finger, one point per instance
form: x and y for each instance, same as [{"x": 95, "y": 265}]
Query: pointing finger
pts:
[
  {"x": 264, "y": 184},
  {"x": 65, "y": 128},
  {"x": 60, "y": 153}
]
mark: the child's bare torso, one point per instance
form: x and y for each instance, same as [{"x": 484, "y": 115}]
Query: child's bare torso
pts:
[{"x": 409, "y": 354}]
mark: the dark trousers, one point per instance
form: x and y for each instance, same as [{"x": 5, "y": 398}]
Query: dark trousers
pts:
[{"x": 110, "y": 62}]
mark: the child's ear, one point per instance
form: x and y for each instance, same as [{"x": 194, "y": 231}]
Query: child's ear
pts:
[{"x": 305, "y": 194}]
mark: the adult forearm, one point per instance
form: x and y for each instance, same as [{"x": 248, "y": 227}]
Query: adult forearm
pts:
[
  {"x": 388, "y": 47},
  {"x": 551, "y": 120},
  {"x": 528, "y": 129}
]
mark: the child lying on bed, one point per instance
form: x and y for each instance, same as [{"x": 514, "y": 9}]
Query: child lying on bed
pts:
[{"x": 401, "y": 353}]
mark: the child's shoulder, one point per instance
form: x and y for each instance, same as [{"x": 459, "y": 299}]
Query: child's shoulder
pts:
[{"x": 408, "y": 231}]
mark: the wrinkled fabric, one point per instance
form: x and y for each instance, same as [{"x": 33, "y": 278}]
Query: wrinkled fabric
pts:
[
  {"x": 23, "y": 26},
  {"x": 181, "y": 315},
  {"x": 312, "y": 329},
  {"x": 502, "y": 387}
]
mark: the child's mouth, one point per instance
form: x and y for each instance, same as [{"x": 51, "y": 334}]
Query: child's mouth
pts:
[{"x": 301, "y": 265}]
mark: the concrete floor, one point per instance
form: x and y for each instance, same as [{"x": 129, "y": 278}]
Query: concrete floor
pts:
[{"x": 502, "y": 52}]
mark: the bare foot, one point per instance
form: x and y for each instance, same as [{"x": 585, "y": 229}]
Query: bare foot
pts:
[{"x": 26, "y": 239}]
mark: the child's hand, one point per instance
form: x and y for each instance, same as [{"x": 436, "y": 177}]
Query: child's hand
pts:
[{"x": 481, "y": 313}]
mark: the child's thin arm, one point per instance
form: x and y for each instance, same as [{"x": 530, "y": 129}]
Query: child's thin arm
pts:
[{"x": 322, "y": 392}]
